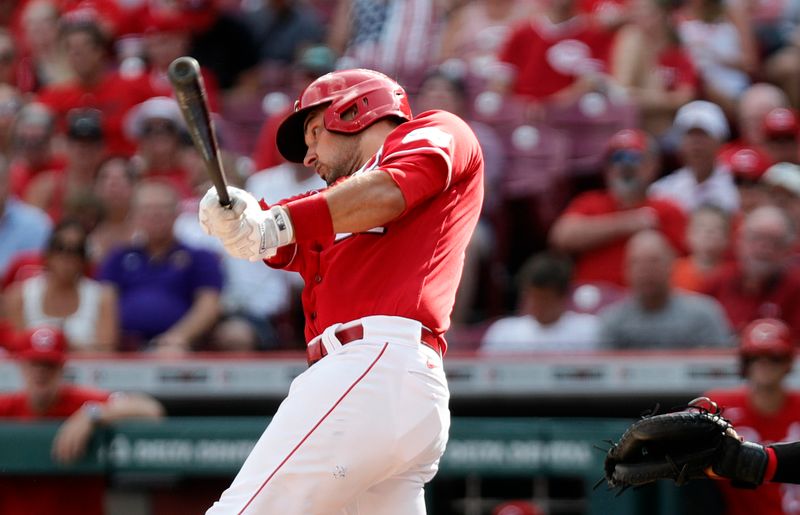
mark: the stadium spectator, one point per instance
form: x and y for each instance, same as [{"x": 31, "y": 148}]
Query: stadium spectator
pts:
[
  {"x": 63, "y": 296},
  {"x": 9, "y": 59},
  {"x": 116, "y": 179},
  {"x": 702, "y": 128},
  {"x": 656, "y": 316},
  {"x": 708, "y": 237},
  {"x": 554, "y": 58},
  {"x": 649, "y": 61},
  {"x": 22, "y": 227},
  {"x": 396, "y": 37},
  {"x": 777, "y": 29},
  {"x": 167, "y": 36},
  {"x": 156, "y": 126},
  {"x": 474, "y": 32},
  {"x": 44, "y": 61},
  {"x": 754, "y": 104},
  {"x": 32, "y": 147},
  {"x": 85, "y": 149},
  {"x": 10, "y": 105},
  {"x": 282, "y": 28},
  {"x": 168, "y": 292},
  {"x": 760, "y": 284},
  {"x": 46, "y": 396},
  {"x": 721, "y": 51},
  {"x": 517, "y": 508},
  {"x": 747, "y": 168},
  {"x": 763, "y": 410},
  {"x": 783, "y": 183},
  {"x": 596, "y": 225},
  {"x": 781, "y": 135},
  {"x": 544, "y": 322},
  {"x": 95, "y": 86}
]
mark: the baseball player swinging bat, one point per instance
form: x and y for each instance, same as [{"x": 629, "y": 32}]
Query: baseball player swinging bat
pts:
[{"x": 190, "y": 93}]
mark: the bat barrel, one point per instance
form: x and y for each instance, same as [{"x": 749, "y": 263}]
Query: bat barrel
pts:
[{"x": 184, "y": 70}]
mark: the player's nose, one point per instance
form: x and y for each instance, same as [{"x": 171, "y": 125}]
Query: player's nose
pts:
[{"x": 311, "y": 158}]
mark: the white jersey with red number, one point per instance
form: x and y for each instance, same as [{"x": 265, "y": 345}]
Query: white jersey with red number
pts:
[{"x": 411, "y": 267}]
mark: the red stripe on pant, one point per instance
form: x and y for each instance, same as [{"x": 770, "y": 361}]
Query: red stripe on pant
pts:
[{"x": 314, "y": 428}]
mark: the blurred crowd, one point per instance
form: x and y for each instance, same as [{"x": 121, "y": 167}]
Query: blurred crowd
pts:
[{"x": 642, "y": 164}]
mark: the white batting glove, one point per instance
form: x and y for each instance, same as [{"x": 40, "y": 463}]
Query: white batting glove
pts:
[{"x": 246, "y": 230}]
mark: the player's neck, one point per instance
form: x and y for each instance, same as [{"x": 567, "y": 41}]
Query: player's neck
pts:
[{"x": 372, "y": 139}]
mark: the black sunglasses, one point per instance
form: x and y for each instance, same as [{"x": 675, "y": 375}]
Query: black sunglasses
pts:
[{"x": 61, "y": 248}]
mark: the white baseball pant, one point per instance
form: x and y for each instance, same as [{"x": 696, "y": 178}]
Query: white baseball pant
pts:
[{"x": 360, "y": 432}]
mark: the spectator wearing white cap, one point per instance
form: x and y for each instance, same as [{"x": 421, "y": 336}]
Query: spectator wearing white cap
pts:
[
  {"x": 783, "y": 180},
  {"x": 157, "y": 128},
  {"x": 702, "y": 128}
]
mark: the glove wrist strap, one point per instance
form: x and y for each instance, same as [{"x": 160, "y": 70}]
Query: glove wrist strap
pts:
[
  {"x": 283, "y": 224},
  {"x": 311, "y": 219}
]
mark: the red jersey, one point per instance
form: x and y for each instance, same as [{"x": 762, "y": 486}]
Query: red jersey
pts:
[
  {"x": 114, "y": 95},
  {"x": 44, "y": 495},
  {"x": 411, "y": 267},
  {"x": 549, "y": 57},
  {"x": 783, "y": 426},
  {"x": 21, "y": 174},
  {"x": 779, "y": 299},
  {"x": 605, "y": 263}
]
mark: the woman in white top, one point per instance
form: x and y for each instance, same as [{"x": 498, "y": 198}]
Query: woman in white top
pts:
[{"x": 63, "y": 296}]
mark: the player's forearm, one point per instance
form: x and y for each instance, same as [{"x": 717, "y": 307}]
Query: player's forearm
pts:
[
  {"x": 364, "y": 202},
  {"x": 788, "y": 462}
]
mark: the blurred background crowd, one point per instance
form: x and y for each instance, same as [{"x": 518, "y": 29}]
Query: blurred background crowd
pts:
[{"x": 642, "y": 164}]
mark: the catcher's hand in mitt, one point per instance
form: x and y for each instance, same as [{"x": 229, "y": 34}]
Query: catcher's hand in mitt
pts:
[{"x": 694, "y": 443}]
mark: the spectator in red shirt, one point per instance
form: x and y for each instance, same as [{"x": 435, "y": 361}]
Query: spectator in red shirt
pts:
[
  {"x": 596, "y": 225},
  {"x": 781, "y": 135},
  {"x": 649, "y": 61},
  {"x": 45, "y": 396},
  {"x": 95, "y": 85},
  {"x": 85, "y": 149},
  {"x": 760, "y": 284},
  {"x": 43, "y": 61},
  {"x": 555, "y": 57},
  {"x": 157, "y": 128},
  {"x": 764, "y": 410}
]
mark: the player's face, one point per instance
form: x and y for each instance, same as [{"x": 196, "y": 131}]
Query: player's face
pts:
[
  {"x": 767, "y": 371},
  {"x": 331, "y": 155},
  {"x": 42, "y": 381}
]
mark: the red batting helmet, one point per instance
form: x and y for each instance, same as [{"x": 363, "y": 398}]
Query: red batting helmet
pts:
[
  {"x": 370, "y": 95},
  {"x": 766, "y": 336},
  {"x": 517, "y": 508}
]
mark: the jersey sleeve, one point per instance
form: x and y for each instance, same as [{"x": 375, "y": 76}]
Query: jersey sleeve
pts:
[
  {"x": 425, "y": 156},
  {"x": 288, "y": 257}
]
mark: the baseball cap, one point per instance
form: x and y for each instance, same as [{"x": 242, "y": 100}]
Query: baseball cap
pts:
[
  {"x": 781, "y": 122},
  {"x": 767, "y": 337},
  {"x": 747, "y": 163},
  {"x": 47, "y": 344},
  {"x": 705, "y": 116},
  {"x": 628, "y": 139},
  {"x": 85, "y": 125},
  {"x": 164, "y": 108},
  {"x": 784, "y": 175}
]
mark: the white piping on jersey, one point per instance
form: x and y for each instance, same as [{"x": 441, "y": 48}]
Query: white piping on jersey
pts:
[
  {"x": 437, "y": 150},
  {"x": 375, "y": 230}
]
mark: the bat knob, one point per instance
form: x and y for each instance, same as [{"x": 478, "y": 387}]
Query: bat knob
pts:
[{"x": 184, "y": 69}]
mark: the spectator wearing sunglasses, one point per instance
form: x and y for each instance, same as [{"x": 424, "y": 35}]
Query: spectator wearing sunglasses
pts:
[
  {"x": 596, "y": 225},
  {"x": 157, "y": 128},
  {"x": 64, "y": 296}
]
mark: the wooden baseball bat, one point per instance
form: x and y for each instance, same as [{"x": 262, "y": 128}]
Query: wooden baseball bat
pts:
[{"x": 190, "y": 93}]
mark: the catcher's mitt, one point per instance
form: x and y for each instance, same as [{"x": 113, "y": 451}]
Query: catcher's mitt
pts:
[{"x": 694, "y": 443}]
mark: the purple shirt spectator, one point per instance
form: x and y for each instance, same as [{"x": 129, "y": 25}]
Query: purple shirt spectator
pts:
[{"x": 155, "y": 294}]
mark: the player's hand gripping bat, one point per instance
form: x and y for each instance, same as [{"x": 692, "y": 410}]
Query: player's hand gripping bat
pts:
[{"x": 190, "y": 93}]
